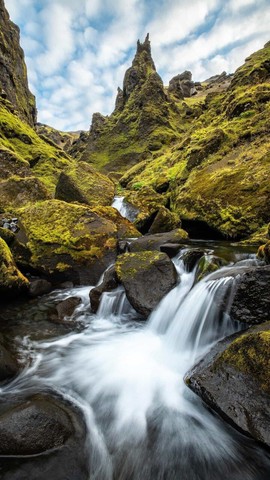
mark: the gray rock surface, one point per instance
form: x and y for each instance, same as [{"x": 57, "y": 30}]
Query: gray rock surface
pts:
[{"x": 147, "y": 277}]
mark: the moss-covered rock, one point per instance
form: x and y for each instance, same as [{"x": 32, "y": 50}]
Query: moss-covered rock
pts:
[
  {"x": 209, "y": 264},
  {"x": 234, "y": 380},
  {"x": 72, "y": 242},
  {"x": 12, "y": 282},
  {"x": 146, "y": 276},
  {"x": 83, "y": 184},
  {"x": 17, "y": 191},
  {"x": 164, "y": 221}
]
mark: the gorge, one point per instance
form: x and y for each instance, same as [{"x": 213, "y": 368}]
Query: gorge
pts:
[{"x": 134, "y": 279}]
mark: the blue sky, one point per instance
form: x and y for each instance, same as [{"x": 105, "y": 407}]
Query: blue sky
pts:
[{"x": 77, "y": 51}]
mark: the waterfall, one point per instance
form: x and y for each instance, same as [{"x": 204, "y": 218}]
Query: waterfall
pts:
[
  {"x": 144, "y": 423},
  {"x": 125, "y": 209}
]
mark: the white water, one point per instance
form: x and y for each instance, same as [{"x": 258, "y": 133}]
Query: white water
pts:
[
  {"x": 125, "y": 208},
  {"x": 127, "y": 376}
]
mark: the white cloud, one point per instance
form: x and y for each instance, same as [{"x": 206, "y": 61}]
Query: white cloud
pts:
[{"x": 78, "y": 51}]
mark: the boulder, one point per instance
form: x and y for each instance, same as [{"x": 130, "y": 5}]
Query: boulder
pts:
[
  {"x": 83, "y": 184},
  {"x": 42, "y": 436},
  {"x": 209, "y": 264},
  {"x": 12, "y": 281},
  {"x": 191, "y": 258},
  {"x": 39, "y": 287},
  {"x": 233, "y": 379},
  {"x": 164, "y": 221},
  {"x": 67, "y": 307},
  {"x": 108, "y": 284},
  {"x": 251, "y": 300},
  {"x": 71, "y": 242},
  {"x": 16, "y": 192},
  {"x": 8, "y": 364},
  {"x": 147, "y": 277},
  {"x": 154, "y": 242}
]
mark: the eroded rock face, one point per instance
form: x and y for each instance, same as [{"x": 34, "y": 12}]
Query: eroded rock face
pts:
[
  {"x": 182, "y": 86},
  {"x": 234, "y": 380},
  {"x": 147, "y": 277},
  {"x": 13, "y": 76},
  {"x": 42, "y": 436}
]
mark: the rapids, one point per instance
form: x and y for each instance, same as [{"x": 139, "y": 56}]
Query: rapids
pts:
[{"x": 127, "y": 377}]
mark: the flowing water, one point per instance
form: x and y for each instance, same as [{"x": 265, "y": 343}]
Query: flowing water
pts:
[
  {"x": 127, "y": 377},
  {"x": 126, "y": 209}
]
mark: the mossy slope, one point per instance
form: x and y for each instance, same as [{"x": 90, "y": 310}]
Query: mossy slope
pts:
[{"x": 218, "y": 171}]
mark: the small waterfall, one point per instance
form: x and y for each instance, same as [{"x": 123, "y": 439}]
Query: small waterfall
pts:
[
  {"x": 125, "y": 209},
  {"x": 144, "y": 424}
]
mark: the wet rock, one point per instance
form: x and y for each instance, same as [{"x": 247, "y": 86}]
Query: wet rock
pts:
[
  {"x": 8, "y": 364},
  {"x": 170, "y": 248},
  {"x": 108, "y": 284},
  {"x": 234, "y": 380},
  {"x": 153, "y": 242},
  {"x": 41, "y": 436},
  {"x": 67, "y": 307},
  {"x": 251, "y": 301},
  {"x": 147, "y": 277},
  {"x": 209, "y": 264},
  {"x": 191, "y": 257},
  {"x": 39, "y": 287}
]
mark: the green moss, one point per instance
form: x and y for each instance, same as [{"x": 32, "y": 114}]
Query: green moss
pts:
[
  {"x": 250, "y": 354},
  {"x": 129, "y": 265},
  {"x": 60, "y": 233},
  {"x": 12, "y": 280}
]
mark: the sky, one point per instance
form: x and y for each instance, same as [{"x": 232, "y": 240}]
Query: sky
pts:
[{"x": 77, "y": 51}]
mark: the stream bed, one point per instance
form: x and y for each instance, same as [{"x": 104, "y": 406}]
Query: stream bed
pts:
[{"x": 126, "y": 376}]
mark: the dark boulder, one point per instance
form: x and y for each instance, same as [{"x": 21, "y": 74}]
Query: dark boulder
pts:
[
  {"x": 234, "y": 380},
  {"x": 39, "y": 287},
  {"x": 42, "y": 436},
  {"x": 108, "y": 284},
  {"x": 154, "y": 242},
  {"x": 147, "y": 277},
  {"x": 67, "y": 307},
  {"x": 170, "y": 248},
  {"x": 251, "y": 301},
  {"x": 191, "y": 258},
  {"x": 8, "y": 364}
]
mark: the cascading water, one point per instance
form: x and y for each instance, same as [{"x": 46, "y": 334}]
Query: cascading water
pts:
[
  {"x": 125, "y": 209},
  {"x": 127, "y": 376}
]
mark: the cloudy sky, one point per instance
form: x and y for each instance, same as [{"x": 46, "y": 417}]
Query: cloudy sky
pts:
[{"x": 77, "y": 51}]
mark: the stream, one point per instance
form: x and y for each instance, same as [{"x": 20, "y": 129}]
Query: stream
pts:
[{"x": 126, "y": 375}]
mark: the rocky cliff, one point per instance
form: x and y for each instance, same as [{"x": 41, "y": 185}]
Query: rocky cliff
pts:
[
  {"x": 143, "y": 121},
  {"x": 13, "y": 73}
]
